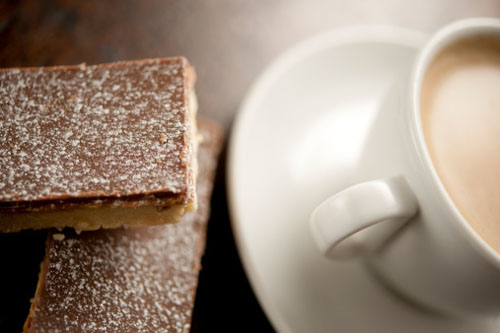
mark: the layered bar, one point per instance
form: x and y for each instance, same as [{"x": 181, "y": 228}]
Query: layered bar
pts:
[
  {"x": 127, "y": 279},
  {"x": 97, "y": 146}
]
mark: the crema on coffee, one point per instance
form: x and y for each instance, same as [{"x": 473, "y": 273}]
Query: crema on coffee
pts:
[{"x": 460, "y": 112}]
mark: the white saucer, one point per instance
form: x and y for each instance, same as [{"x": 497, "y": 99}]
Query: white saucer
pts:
[{"x": 288, "y": 152}]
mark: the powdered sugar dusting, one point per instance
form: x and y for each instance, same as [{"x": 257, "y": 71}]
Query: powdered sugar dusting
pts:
[
  {"x": 110, "y": 130},
  {"x": 117, "y": 281},
  {"x": 127, "y": 280}
]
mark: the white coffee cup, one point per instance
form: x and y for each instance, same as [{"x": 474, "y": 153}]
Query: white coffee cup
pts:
[{"x": 405, "y": 224}]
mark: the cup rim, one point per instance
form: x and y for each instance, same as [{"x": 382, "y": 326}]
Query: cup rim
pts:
[{"x": 443, "y": 37}]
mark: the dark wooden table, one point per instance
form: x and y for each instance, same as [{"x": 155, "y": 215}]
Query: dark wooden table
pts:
[{"x": 229, "y": 42}]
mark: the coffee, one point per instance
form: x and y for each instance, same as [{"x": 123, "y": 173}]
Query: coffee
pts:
[{"x": 460, "y": 111}]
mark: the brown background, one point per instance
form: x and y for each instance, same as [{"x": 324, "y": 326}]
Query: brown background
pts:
[{"x": 228, "y": 42}]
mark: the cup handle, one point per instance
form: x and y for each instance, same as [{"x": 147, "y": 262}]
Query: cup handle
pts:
[{"x": 339, "y": 224}]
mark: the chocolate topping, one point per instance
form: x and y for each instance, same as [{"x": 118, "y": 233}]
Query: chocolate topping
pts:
[
  {"x": 96, "y": 132},
  {"x": 127, "y": 280}
]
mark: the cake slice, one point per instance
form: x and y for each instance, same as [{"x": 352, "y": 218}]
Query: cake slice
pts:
[
  {"x": 127, "y": 279},
  {"x": 97, "y": 146}
]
